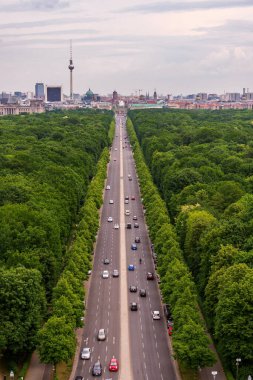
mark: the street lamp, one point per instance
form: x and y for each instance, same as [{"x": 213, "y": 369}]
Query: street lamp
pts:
[
  {"x": 11, "y": 375},
  {"x": 237, "y": 362},
  {"x": 214, "y": 373}
]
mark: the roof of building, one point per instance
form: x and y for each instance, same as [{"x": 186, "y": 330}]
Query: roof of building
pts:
[{"x": 89, "y": 93}]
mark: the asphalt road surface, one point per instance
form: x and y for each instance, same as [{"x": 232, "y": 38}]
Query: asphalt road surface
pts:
[{"x": 133, "y": 337}]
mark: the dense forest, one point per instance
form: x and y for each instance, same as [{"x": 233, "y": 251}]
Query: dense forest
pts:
[
  {"x": 202, "y": 164},
  {"x": 46, "y": 165}
]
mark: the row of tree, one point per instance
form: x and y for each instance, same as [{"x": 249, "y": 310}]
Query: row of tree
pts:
[
  {"x": 68, "y": 294},
  {"x": 46, "y": 164},
  {"x": 202, "y": 163},
  {"x": 190, "y": 342}
]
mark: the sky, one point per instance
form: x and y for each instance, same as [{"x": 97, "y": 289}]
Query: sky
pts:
[{"x": 135, "y": 46}]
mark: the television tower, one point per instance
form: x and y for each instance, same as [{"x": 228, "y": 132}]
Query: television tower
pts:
[{"x": 71, "y": 68}]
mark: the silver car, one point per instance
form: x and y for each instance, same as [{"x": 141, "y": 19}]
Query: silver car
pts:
[
  {"x": 101, "y": 334},
  {"x": 85, "y": 354},
  {"x": 105, "y": 274},
  {"x": 115, "y": 273}
]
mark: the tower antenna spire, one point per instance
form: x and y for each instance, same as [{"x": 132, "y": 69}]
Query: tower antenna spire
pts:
[{"x": 71, "y": 68}]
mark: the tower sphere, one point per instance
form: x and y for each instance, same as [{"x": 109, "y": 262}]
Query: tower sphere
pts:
[{"x": 71, "y": 66}]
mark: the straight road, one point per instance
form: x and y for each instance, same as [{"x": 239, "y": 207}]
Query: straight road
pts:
[
  {"x": 151, "y": 358},
  {"x": 139, "y": 342},
  {"x": 103, "y": 305}
]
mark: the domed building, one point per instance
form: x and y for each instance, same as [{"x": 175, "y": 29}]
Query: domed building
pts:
[{"x": 88, "y": 96}]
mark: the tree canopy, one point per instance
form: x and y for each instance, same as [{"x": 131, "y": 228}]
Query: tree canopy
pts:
[
  {"x": 202, "y": 164},
  {"x": 47, "y": 162}
]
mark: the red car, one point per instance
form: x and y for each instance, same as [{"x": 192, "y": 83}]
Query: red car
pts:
[
  {"x": 170, "y": 329},
  {"x": 133, "y": 198},
  {"x": 113, "y": 365}
]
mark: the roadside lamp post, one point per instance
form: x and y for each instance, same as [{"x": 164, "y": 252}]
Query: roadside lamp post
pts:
[
  {"x": 237, "y": 362},
  {"x": 214, "y": 373},
  {"x": 249, "y": 377},
  {"x": 11, "y": 375}
]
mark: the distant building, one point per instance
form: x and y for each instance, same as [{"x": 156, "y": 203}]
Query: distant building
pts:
[
  {"x": 32, "y": 106},
  {"x": 249, "y": 96},
  {"x": 39, "y": 91},
  {"x": 101, "y": 105},
  {"x": 202, "y": 97},
  {"x": 77, "y": 97},
  {"x": 53, "y": 93},
  {"x": 155, "y": 95},
  {"x": 114, "y": 97},
  {"x": 191, "y": 97},
  {"x": 88, "y": 96},
  {"x": 145, "y": 106},
  {"x": 18, "y": 94},
  {"x": 213, "y": 97},
  {"x": 233, "y": 97}
]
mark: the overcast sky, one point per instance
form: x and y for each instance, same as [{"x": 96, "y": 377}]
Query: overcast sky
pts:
[{"x": 173, "y": 46}]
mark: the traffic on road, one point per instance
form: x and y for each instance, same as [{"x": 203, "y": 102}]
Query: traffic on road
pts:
[{"x": 125, "y": 333}]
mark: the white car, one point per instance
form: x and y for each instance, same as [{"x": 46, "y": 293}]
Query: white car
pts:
[
  {"x": 108, "y": 187},
  {"x": 127, "y": 212},
  {"x": 126, "y": 201},
  {"x": 85, "y": 354},
  {"x": 116, "y": 149},
  {"x": 101, "y": 334},
  {"x": 110, "y": 219},
  {"x": 111, "y": 201},
  {"x": 156, "y": 314},
  {"x": 116, "y": 226},
  {"x": 105, "y": 274}
]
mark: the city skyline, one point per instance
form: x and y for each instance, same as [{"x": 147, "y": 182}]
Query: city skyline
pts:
[{"x": 174, "y": 46}]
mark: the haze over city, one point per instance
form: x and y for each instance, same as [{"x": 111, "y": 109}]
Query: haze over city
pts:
[{"x": 173, "y": 46}]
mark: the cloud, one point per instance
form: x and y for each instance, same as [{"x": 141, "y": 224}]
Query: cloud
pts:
[
  {"x": 233, "y": 33},
  {"x": 35, "y": 5},
  {"x": 43, "y": 23},
  {"x": 70, "y": 31},
  {"x": 183, "y": 6},
  {"x": 232, "y": 26}
]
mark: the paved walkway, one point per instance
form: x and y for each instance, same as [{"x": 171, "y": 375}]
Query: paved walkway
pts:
[
  {"x": 206, "y": 373},
  {"x": 37, "y": 370}
]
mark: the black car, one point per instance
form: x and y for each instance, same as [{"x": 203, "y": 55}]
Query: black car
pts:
[
  {"x": 166, "y": 309},
  {"x": 133, "y": 288},
  {"x": 96, "y": 369},
  {"x": 79, "y": 378},
  {"x": 142, "y": 293},
  {"x": 134, "y": 306}
]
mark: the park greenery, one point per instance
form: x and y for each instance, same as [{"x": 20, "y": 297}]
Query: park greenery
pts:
[
  {"x": 190, "y": 342},
  {"x": 200, "y": 214},
  {"x": 52, "y": 170}
]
